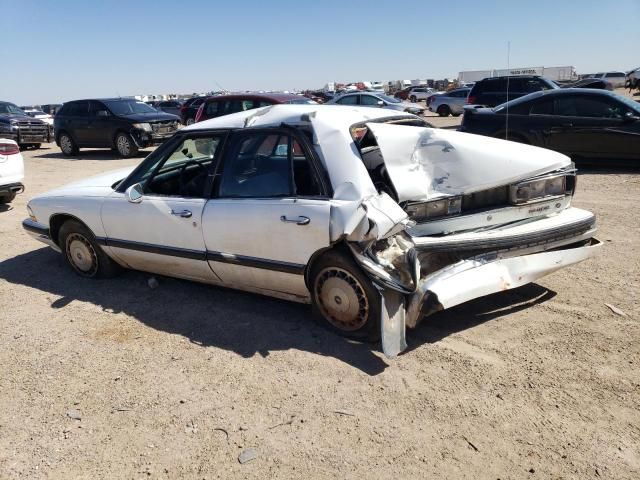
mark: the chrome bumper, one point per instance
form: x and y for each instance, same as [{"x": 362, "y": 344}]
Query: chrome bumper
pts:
[{"x": 39, "y": 232}]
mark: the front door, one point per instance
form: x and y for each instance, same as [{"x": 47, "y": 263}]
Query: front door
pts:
[
  {"x": 163, "y": 232},
  {"x": 269, "y": 214}
]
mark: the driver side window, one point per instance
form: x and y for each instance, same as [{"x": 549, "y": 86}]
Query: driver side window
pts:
[{"x": 184, "y": 171}]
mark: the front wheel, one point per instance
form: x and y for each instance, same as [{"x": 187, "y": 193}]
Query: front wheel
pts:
[
  {"x": 82, "y": 252},
  {"x": 413, "y": 99},
  {"x": 344, "y": 298},
  {"x": 190, "y": 121},
  {"x": 125, "y": 145}
]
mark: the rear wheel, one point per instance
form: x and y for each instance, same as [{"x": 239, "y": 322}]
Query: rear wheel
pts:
[
  {"x": 190, "y": 121},
  {"x": 444, "y": 110},
  {"x": 82, "y": 252},
  {"x": 344, "y": 298},
  {"x": 413, "y": 99},
  {"x": 67, "y": 145},
  {"x": 125, "y": 145}
]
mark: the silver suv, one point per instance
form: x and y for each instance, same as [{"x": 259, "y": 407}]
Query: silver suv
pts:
[
  {"x": 372, "y": 99},
  {"x": 420, "y": 93},
  {"x": 449, "y": 103}
]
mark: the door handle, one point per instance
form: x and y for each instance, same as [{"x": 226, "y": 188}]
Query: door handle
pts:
[
  {"x": 183, "y": 213},
  {"x": 298, "y": 221}
]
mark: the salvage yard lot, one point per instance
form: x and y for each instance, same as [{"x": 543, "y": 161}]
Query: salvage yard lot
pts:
[{"x": 177, "y": 381}]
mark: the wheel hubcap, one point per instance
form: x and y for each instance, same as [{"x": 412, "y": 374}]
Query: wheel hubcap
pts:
[
  {"x": 123, "y": 145},
  {"x": 65, "y": 143},
  {"x": 81, "y": 254},
  {"x": 341, "y": 299}
]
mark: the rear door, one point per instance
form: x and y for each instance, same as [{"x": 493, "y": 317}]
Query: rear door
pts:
[
  {"x": 269, "y": 214},
  {"x": 99, "y": 125},
  {"x": 77, "y": 122}
]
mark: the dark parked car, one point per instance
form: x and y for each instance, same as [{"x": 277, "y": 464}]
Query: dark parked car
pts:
[
  {"x": 189, "y": 110},
  {"x": 589, "y": 83},
  {"x": 122, "y": 124},
  {"x": 225, "y": 104},
  {"x": 167, "y": 106},
  {"x": 492, "y": 91},
  {"x": 16, "y": 125},
  {"x": 581, "y": 123}
]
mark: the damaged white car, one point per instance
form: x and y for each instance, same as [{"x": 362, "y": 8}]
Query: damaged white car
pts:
[{"x": 372, "y": 216}]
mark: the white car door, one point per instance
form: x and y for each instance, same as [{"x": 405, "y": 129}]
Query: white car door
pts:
[
  {"x": 269, "y": 214},
  {"x": 161, "y": 231}
]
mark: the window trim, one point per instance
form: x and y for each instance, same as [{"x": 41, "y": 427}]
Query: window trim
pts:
[{"x": 166, "y": 149}]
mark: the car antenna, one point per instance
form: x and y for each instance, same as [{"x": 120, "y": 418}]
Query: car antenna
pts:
[{"x": 506, "y": 127}]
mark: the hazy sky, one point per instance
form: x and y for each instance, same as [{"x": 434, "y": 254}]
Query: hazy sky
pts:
[{"x": 59, "y": 50}]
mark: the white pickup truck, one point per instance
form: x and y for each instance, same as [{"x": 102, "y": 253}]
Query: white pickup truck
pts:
[{"x": 11, "y": 170}]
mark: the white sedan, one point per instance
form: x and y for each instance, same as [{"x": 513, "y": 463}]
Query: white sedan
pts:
[
  {"x": 11, "y": 170},
  {"x": 370, "y": 215}
]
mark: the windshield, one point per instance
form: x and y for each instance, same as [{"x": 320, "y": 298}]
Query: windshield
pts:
[
  {"x": 10, "y": 109},
  {"x": 389, "y": 99},
  {"x": 128, "y": 107}
]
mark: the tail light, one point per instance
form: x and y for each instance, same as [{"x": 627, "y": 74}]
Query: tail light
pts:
[
  {"x": 9, "y": 149},
  {"x": 471, "y": 100},
  {"x": 200, "y": 112}
]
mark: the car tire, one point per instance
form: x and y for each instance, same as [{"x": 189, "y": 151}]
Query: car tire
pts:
[
  {"x": 344, "y": 299},
  {"x": 444, "y": 110},
  {"x": 82, "y": 252},
  {"x": 456, "y": 114},
  {"x": 412, "y": 99},
  {"x": 125, "y": 145},
  {"x": 8, "y": 198},
  {"x": 190, "y": 121},
  {"x": 67, "y": 145}
]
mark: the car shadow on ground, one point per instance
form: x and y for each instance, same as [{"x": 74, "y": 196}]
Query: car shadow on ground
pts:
[
  {"x": 236, "y": 321},
  {"x": 5, "y": 208},
  {"x": 101, "y": 154}
]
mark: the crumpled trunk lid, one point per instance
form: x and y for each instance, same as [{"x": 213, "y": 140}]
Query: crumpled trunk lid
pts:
[{"x": 427, "y": 163}]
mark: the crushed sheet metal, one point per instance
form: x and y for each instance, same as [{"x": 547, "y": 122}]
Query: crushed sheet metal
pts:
[
  {"x": 392, "y": 323},
  {"x": 426, "y": 163},
  {"x": 483, "y": 275}
]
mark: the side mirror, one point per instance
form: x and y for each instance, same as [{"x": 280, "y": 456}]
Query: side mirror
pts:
[
  {"x": 380, "y": 103},
  {"x": 630, "y": 117},
  {"x": 134, "y": 193}
]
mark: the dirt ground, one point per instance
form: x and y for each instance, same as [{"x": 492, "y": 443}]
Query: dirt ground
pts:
[{"x": 114, "y": 379}]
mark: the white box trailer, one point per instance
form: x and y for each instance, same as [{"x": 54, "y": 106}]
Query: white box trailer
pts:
[{"x": 552, "y": 73}]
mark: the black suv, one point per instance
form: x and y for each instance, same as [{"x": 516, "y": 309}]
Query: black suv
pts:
[
  {"x": 122, "y": 124},
  {"x": 492, "y": 91},
  {"x": 16, "y": 125}
]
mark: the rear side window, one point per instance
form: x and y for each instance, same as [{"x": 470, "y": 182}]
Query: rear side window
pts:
[
  {"x": 533, "y": 85},
  {"x": 348, "y": 100},
  {"x": 543, "y": 107},
  {"x": 212, "y": 109},
  {"x": 267, "y": 165},
  {"x": 614, "y": 74},
  {"x": 76, "y": 109},
  {"x": 492, "y": 86}
]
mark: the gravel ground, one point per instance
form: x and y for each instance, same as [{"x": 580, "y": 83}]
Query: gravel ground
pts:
[{"x": 114, "y": 379}]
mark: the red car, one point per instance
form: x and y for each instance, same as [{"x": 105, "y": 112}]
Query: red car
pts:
[{"x": 225, "y": 104}]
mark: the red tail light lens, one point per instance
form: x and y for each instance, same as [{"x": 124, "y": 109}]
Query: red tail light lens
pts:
[
  {"x": 8, "y": 149},
  {"x": 471, "y": 100},
  {"x": 200, "y": 112}
]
